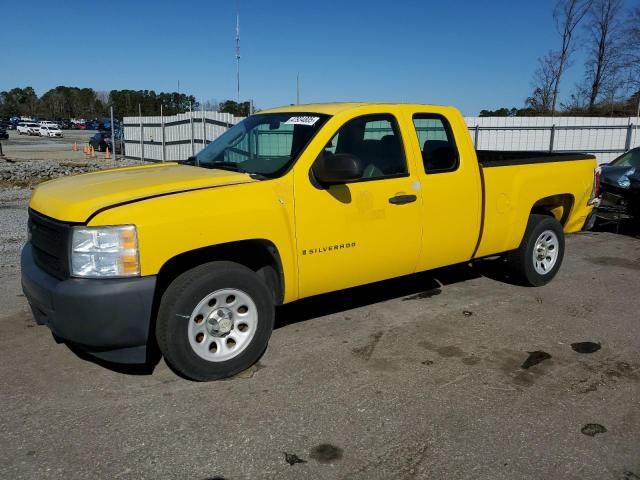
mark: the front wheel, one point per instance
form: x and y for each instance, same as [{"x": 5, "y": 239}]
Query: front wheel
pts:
[
  {"x": 540, "y": 254},
  {"x": 214, "y": 321}
]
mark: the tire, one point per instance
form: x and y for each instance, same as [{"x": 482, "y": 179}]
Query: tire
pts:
[
  {"x": 590, "y": 222},
  {"x": 545, "y": 234},
  {"x": 204, "y": 342}
]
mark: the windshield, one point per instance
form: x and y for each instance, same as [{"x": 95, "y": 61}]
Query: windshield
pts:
[
  {"x": 629, "y": 159},
  {"x": 263, "y": 144}
]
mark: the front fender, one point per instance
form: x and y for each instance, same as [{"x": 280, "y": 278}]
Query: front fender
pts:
[{"x": 173, "y": 224}]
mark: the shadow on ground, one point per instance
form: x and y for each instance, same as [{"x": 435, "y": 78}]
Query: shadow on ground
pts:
[
  {"x": 419, "y": 285},
  {"x": 128, "y": 369},
  {"x": 625, "y": 226}
]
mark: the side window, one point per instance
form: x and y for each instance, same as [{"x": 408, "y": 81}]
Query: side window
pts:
[
  {"x": 439, "y": 152},
  {"x": 376, "y": 141}
]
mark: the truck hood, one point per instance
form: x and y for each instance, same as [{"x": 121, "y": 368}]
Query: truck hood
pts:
[{"x": 75, "y": 199}]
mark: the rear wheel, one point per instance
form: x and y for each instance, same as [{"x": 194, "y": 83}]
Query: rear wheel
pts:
[
  {"x": 215, "y": 321},
  {"x": 540, "y": 254}
]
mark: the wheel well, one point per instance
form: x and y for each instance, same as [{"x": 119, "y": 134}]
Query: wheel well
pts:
[
  {"x": 557, "y": 206},
  {"x": 259, "y": 255}
]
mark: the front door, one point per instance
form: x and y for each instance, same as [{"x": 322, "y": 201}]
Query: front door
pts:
[{"x": 363, "y": 231}]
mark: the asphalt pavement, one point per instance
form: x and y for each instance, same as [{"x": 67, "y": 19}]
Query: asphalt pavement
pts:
[{"x": 450, "y": 374}]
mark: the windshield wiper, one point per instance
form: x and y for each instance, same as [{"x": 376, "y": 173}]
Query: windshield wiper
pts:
[
  {"x": 258, "y": 176},
  {"x": 231, "y": 166}
]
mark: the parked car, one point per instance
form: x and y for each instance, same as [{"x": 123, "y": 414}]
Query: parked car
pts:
[
  {"x": 92, "y": 125},
  {"x": 620, "y": 186},
  {"x": 28, "y": 128},
  {"x": 50, "y": 131},
  {"x": 48, "y": 123},
  {"x": 366, "y": 192},
  {"x": 101, "y": 140}
]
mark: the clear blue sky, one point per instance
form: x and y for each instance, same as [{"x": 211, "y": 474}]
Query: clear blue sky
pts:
[{"x": 468, "y": 53}]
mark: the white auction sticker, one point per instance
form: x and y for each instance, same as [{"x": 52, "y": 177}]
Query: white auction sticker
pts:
[{"x": 302, "y": 121}]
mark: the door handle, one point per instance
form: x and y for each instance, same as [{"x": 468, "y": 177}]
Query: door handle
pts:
[{"x": 402, "y": 199}]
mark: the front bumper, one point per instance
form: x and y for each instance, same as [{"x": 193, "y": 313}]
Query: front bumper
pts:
[
  {"x": 109, "y": 319},
  {"x": 616, "y": 201}
]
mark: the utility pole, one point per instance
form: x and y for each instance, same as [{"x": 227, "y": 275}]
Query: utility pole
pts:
[
  {"x": 113, "y": 136},
  {"x": 141, "y": 133},
  {"x": 238, "y": 48}
]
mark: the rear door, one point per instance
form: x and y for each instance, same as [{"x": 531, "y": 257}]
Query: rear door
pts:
[
  {"x": 451, "y": 189},
  {"x": 363, "y": 231}
]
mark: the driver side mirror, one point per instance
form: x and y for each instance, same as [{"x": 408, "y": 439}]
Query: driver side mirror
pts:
[{"x": 338, "y": 168}]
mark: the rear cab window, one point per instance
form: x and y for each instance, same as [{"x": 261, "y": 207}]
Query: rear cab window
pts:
[{"x": 437, "y": 143}]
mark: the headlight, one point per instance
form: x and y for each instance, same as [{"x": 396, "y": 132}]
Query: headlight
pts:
[
  {"x": 624, "y": 182},
  {"x": 98, "y": 252}
]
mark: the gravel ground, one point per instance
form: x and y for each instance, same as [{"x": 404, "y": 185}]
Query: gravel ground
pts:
[
  {"x": 13, "y": 234},
  {"x": 28, "y": 173},
  {"x": 30, "y": 160},
  {"x": 416, "y": 378}
]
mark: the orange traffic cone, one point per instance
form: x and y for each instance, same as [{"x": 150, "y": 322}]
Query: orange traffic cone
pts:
[
  {"x": 86, "y": 149},
  {"x": 92, "y": 152},
  {"x": 107, "y": 156},
  {"x": 75, "y": 147}
]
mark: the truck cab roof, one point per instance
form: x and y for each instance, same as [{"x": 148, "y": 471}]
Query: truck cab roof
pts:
[{"x": 336, "y": 107}]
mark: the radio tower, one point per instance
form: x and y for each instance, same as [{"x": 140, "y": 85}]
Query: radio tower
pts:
[{"x": 238, "y": 48}]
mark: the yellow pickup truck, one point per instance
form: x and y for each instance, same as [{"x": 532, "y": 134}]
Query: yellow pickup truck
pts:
[{"x": 193, "y": 256}]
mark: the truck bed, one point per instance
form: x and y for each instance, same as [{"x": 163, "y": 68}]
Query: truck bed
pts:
[
  {"x": 560, "y": 182},
  {"x": 497, "y": 158}
]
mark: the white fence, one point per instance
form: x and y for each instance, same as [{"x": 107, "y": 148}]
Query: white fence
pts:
[
  {"x": 174, "y": 137},
  {"x": 604, "y": 137},
  {"x": 180, "y": 136}
]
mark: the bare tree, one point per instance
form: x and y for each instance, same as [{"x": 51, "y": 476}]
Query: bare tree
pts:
[
  {"x": 604, "y": 55},
  {"x": 211, "y": 105},
  {"x": 577, "y": 102},
  {"x": 544, "y": 80},
  {"x": 567, "y": 14},
  {"x": 632, "y": 49},
  {"x": 103, "y": 96}
]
